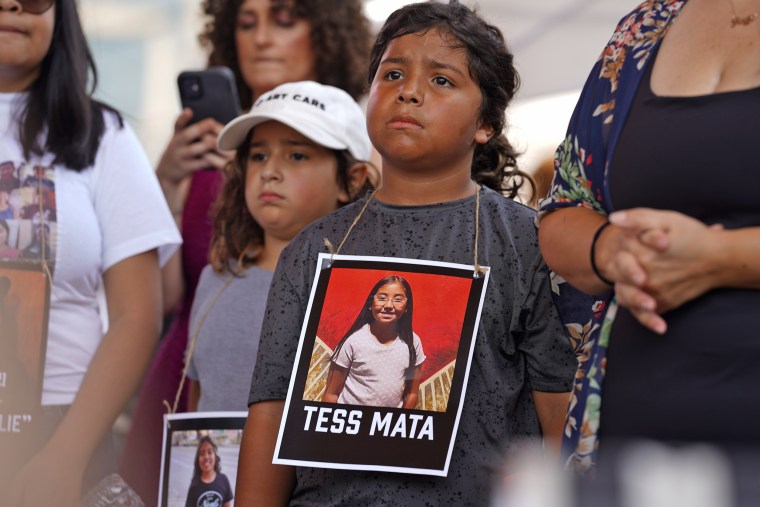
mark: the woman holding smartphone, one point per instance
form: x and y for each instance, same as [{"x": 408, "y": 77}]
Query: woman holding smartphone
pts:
[{"x": 265, "y": 43}]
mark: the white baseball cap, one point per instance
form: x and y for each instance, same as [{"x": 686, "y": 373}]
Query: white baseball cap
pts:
[{"x": 325, "y": 114}]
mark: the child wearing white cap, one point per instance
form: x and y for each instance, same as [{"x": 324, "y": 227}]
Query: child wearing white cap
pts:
[{"x": 301, "y": 153}]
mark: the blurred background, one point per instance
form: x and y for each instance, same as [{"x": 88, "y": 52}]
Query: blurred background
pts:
[{"x": 141, "y": 45}]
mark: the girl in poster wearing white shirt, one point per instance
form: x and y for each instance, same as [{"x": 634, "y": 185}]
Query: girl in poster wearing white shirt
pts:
[{"x": 377, "y": 362}]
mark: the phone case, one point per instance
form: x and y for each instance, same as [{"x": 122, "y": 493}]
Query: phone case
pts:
[{"x": 210, "y": 93}]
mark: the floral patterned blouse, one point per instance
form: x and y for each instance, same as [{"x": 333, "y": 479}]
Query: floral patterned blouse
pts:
[{"x": 581, "y": 179}]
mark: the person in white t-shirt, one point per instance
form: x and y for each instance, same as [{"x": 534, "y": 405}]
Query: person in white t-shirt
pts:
[
  {"x": 377, "y": 362},
  {"x": 79, "y": 167}
]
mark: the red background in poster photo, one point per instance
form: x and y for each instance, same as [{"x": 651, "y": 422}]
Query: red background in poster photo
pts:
[{"x": 439, "y": 306}]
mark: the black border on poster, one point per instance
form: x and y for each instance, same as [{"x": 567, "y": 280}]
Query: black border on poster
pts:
[
  {"x": 192, "y": 421},
  {"x": 377, "y": 452}
]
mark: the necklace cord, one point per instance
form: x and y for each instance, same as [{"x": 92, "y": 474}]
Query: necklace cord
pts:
[
  {"x": 478, "y": 270},
  {"x": 43, "y": 235},
  {"x": 191, "y": 347}
]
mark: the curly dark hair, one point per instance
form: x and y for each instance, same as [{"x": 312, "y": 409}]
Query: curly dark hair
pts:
[
  {"x": 340, "y": 35},
  {"x": 237, "y": 235},
  {"x": 491, "y": 66}
]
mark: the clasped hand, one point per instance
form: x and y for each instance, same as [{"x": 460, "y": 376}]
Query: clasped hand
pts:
[{"x": 660, "y": 260}]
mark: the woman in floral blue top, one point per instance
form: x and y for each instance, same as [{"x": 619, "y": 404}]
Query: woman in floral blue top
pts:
[{"x": 654, "y": 209}]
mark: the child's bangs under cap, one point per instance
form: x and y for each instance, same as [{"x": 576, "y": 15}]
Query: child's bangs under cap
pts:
[{"x": 325, "y": 114}]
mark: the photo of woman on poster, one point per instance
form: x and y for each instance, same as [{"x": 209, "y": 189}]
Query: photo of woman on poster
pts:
[
  {"x": 209, "y": 486},
  {"x": 377, "y": 362}
]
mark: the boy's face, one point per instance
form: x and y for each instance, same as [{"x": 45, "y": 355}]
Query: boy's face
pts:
[
  {"x": 423, "y": 112},
  {"x": 290, "y": 180}
]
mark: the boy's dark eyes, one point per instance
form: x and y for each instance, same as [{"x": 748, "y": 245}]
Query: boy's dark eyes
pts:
[
  {"x": 394, "y": 75},
  {"x": 258, "y": 157},
  {"x": 442, "y": 81},
  {"x": 299, "y": 156}
]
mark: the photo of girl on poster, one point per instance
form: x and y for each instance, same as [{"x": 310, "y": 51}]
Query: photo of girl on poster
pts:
[
  {"x": 377, "y": 362},
  {"x": 209, "y": 486}
]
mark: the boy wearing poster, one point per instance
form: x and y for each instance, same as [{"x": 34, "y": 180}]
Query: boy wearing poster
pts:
[{"x": 441, "y": 79}]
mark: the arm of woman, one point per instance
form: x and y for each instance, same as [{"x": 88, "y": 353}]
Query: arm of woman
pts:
[
  {"x": 172, "y": 280},
  {"x": 259, "y": 482},
  {"x": 191, "y": 148},
  {"x": 412, "y": 389},
  {"x": 564, "y": 237},
  {"x": 551, "y": 409},
  {"x": 658, "y": 259},
  {"x": 336, "y": 379},
  {"x": 133, "y": 294}
]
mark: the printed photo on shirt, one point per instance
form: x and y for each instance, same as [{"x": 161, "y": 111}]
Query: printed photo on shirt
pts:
[
  {"x": 28, "y": 214},
  {"x": 24, "y": 307},
  {"x": 200, "y": 457},
  {"x": 382, "y": 363}
]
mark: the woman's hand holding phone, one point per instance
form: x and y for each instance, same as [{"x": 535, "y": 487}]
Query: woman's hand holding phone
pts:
[
  {"x": 192, "y": 147},
  {"x": 209, "y": 98}
]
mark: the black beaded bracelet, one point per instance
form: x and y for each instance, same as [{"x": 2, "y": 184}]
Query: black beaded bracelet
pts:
[{"x": 593, "y": 254}]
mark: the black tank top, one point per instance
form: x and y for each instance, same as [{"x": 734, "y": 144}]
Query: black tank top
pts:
[{"x": 701, "y": 381}]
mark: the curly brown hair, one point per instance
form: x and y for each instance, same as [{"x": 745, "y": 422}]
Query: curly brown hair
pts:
[
  {"x": 340, "y": 36},
  {"x": 237, "y": 235}
]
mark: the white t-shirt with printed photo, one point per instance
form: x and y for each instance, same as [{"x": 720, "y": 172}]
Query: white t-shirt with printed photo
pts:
[{"x": 96, "y": 218}]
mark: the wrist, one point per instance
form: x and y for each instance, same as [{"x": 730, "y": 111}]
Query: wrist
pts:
[
  {"x": 175, "y": 194},
  {"x": 595, "y": 258},
  {"x": 721, "y": 260},
  {"x": 77, "y": 454},
  {"x": 168, "y": 184}
]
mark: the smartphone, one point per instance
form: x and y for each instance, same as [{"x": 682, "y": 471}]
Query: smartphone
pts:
[{"x": 210, "y": 93}]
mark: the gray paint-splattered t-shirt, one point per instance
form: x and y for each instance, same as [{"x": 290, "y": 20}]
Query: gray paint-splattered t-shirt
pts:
[{"x": 520, "y": 344}]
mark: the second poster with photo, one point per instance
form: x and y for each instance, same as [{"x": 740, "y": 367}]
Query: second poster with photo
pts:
[{"x": 382, "y": 365}]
